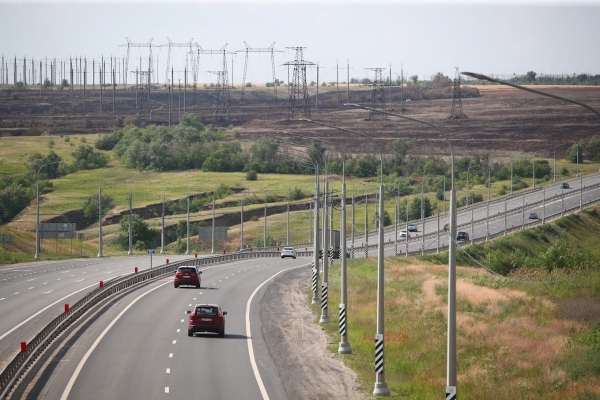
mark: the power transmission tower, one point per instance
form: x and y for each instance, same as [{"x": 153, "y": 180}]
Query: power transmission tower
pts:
[
  {"x": 269, "y": 49},
  {"x": 457, "y": 110},
  {"x": 298, "y": 100},
  {"x": 378, "y": 93},
  {"x": 129, "y": 45},
  {"x": 142, "y": 94},
  {"x": 221, "y": 105},
  {"x": 169, "y": 46}
]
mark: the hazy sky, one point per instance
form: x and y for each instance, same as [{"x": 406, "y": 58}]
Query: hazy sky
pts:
[{"x": 501, "y": 37}]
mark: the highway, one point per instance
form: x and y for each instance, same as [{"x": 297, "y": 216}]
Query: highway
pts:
[
  {"x": 138, "y": 347},
  {"x": 33, "y": 294}
]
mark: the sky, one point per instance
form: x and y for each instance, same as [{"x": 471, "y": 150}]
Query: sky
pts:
[{"x": 501, "y": 37}]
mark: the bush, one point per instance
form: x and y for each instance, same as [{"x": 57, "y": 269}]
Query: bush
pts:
[
  {"x": 251, "y": 175},
  {"x": 90, "y": 207},
  {"x": 107, "y": 142},
  {"x": 87, "y": 158}
]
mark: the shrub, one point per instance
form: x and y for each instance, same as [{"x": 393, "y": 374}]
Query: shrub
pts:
[
  {"x": 251, "y": 175},
  {"x": 107, "y": 142}
]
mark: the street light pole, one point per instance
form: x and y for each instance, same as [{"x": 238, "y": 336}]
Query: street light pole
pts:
[
  {"x": 212, "y": 250},
  {"x": 130, "y": 251},
  {"x": 37, "y": 218},
  {"x": 451, "y": 337},
  {"x": 100, "y": 244},
  {"x": 558, "y": 145},
  {"x": 381, "y": 388}
]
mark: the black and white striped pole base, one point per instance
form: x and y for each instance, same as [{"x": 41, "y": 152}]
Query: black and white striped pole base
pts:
[
  {"x": 352, "y": 250},
  {"x": 450, "y": 392},
  {"x": 344, "y": 347},
  {"x": 331, "y": 256},
  {"x": 315, "y": 275},
  {"x": 366, "y": 251},
  {"x": 381, "y": 388},
  {"x": 395, "y": 247},
  {"x": 324, "y": 306}
]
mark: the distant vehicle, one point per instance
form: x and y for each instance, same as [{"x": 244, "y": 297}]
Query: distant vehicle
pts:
[
  {"x": 412, "y": 228},
  {"x": 403, "y": 233},
  {"x": 533, "y": 215},
  {"x": 288, "y": 252},
  {"x": 187, "y": 275},
  {"x": 462, "y": 236},
  {"x": 565, "y": 185},
  {"x": 206, "y": 318}
]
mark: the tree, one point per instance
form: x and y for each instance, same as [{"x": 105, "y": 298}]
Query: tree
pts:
[
  {"x": 50, "y": 171},
  {"x": 90, "y": 207},
  {"x": 573, "y": 151},
  {"x": 530, "y": 77},
  {"x": 13, "y": 199},
  {"x": 414, "y": 79},
  {"x": 87, "y": 158},
  {"x": 414, "y": 209},
  {"x": 142, "y": 236}
]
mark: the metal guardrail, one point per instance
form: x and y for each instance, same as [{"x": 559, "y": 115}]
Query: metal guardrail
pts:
[{"x": 40, "y": 342}]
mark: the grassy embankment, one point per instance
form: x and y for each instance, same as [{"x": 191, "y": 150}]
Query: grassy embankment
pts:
[
  {"x": 515, "y": 340},
  {"x": 69, "y": 193}
]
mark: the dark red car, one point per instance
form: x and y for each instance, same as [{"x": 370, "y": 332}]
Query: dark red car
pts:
[
  {"x": 187, "y": 275},
  {"x": 206, "y": 318}
]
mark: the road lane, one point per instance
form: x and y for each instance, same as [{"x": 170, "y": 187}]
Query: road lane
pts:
[{"x": 147, "y": 353}]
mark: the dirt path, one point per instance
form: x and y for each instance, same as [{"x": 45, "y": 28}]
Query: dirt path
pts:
[{"x": 299, "y": 346}]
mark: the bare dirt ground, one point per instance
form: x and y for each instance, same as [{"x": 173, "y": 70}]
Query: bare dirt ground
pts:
[
  {"x": 503, "y": 121},
  {"x": 299, "y": 346}
]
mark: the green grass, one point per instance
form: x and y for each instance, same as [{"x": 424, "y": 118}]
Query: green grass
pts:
[{"x": 514, "y": 339}]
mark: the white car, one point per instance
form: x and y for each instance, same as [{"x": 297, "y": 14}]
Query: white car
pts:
[
  {"x": 403, "y": 233},
  {"x": 288, "y": 252}
]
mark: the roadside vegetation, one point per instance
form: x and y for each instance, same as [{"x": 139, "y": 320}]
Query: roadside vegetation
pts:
[
  {"x": 532, "y": 335},
  {"x": 193, "y": 159}
]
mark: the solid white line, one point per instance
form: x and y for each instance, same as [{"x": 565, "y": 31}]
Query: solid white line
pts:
[
  {"x": 42, "y": 310},
  {"x": 95, "y": 344},
  {"x": 259, "y": 381}
]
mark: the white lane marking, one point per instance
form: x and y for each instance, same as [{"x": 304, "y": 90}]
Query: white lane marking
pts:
[
  {"x": 194, "y": 298},
  {"x": 48, "y": 292},
  {"x": 174, "y": 341},
  {"x": 178, "y": 330},
  {"x": 166, "y": 389},
  {"x": 168, "y": 370},
  {"x": 32, "y": 279},
  {"x": 200, "y": 293},
  {"x": 95, "y": 344},
  {"x": 170, "y": 355},
  {"x": 42, "y": 310},
  {"x": 17, "y": 292},
  {"x": 58, "y": 279},
  {"x": 214, "y": 284},
  {"x": 189, "y": 305},
  {"x": 181, "y": 320},
  {"x": 259, "y": 381},
  {"x": 31, "y": 288},
  {"x": 44, "y": 283},
  {"x": 2, "y": 299},
  {"x": 79, "y": 280}
]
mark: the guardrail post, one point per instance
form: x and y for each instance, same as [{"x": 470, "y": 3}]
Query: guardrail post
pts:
[
  {"x": 66, "y": 308},
  {"x": 23, "y": 347}
]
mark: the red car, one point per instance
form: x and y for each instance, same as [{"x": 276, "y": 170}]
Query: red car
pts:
[
  {"x": 206, "y": 318},
  {"x": 187, "y": 276}
]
